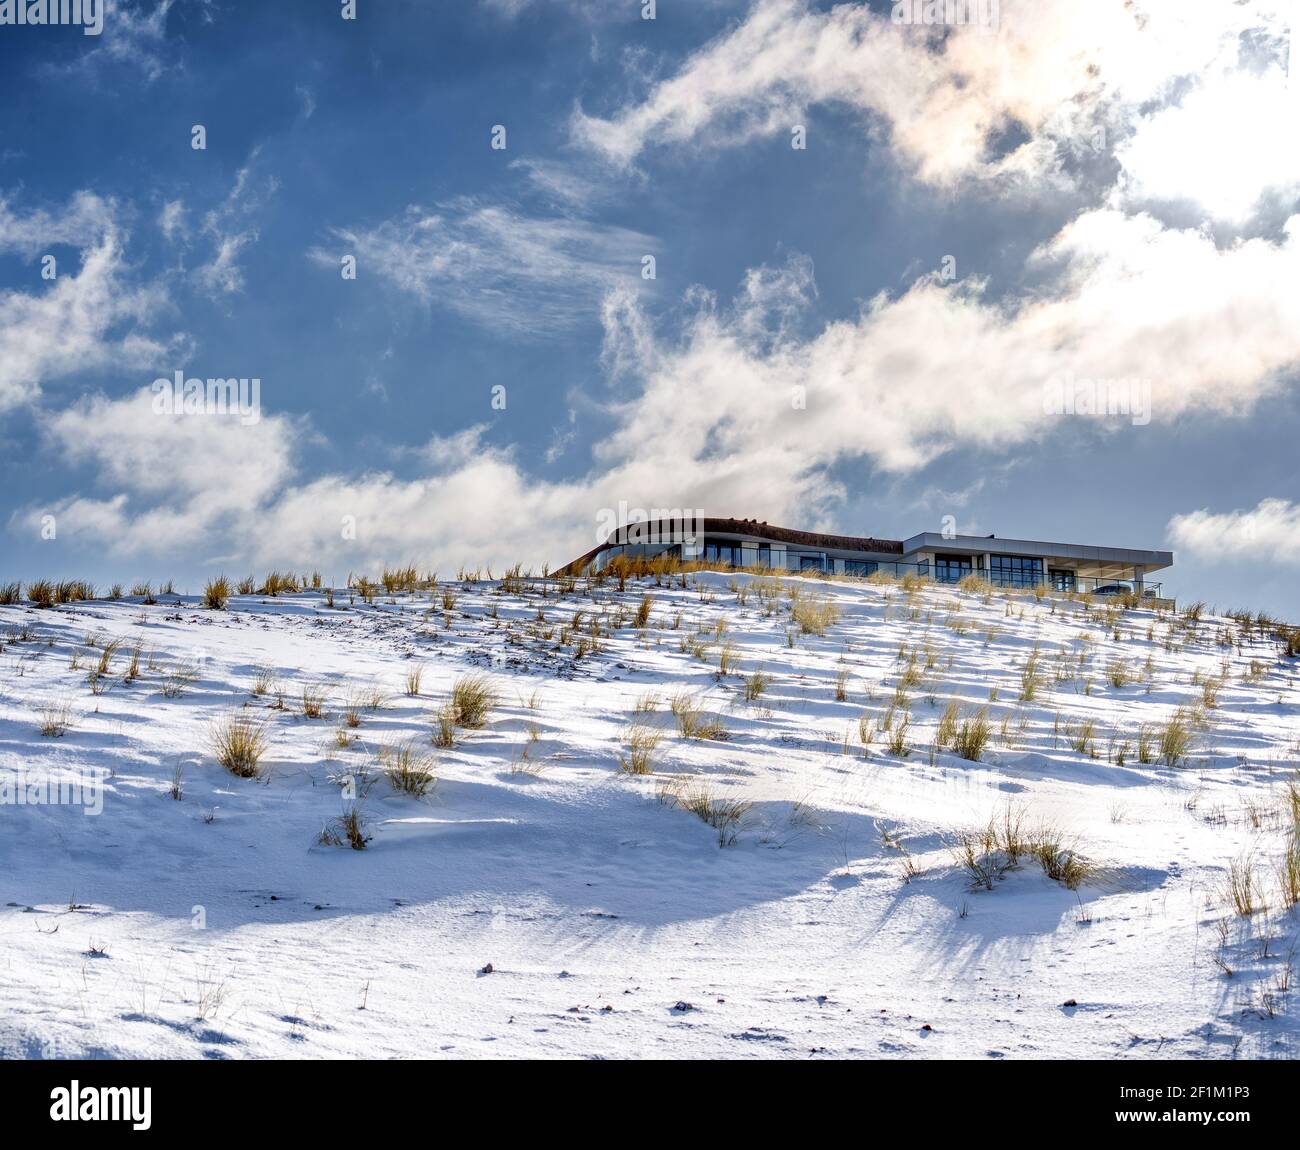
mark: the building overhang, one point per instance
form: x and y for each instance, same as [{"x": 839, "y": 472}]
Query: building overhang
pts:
[{"x": 935, "y": 542}]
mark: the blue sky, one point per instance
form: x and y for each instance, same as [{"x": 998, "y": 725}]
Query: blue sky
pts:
[{"x": 1109, "y": 187}]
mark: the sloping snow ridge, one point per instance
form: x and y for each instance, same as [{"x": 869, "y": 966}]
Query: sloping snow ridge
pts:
[{"x": 796, "y": 877}]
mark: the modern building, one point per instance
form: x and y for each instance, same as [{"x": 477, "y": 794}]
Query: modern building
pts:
[{"x": 945, "y": 558}]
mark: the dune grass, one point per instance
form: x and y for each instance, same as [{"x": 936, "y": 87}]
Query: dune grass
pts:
[
  {"x": 409, "y": 770},
  {"x": 216, "y": 592},
  {"x": 240, "y": 742},
  {"x": 642, "y": 741},
  {"x": 473, "y": 698}
]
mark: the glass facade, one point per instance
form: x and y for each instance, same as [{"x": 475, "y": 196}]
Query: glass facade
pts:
[
  {"x": 1015, "y": 571},
  {"x": 722, "y": 553},
  {"x": 951, "y": 568},
  {"x": 1002, "y": 570},
  {"x": 1061, "y": 579}
]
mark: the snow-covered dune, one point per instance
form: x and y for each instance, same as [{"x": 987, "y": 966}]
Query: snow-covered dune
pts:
[{"x": 540, "y": 900}]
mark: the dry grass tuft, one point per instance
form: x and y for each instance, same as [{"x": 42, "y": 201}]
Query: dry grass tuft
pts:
[
  {"x": 55, "y": 719},
  {"x": 723, "y": 815},
  {"x": 692, "y": 721},
  {"x": 1288, "y": 873},
  {"x": 756, "y": 683},
  {"x": 948, "y": 723},
  {"x": 1175, "y": 738},
  {"x": 278, "y": 582},
  {"x": 444, "y": 726},
  {"x": 472, "y": 699},
  {"x": 216, "y": 592},
  {"x": 643, "y": 611},
  {"x": 1242, "y": 887},
  {"x": 814, "y": 614},
  {"x": 106, "y": 654},
  {"x": 1031, "y": 678},
  {"x": 177, "y": 678},
  {"x": 413, "y": 676},
  {"x": 407, "y": 769},
  {"x": 313, "y": 700},
  {"x": 642, "y": 741},
  {"x": 972, "y": 736},
  {"x": 986, "y": 855},
  {"x": 239, "y": 742},
  {"x": 264, "y": 680},
  {"x": 349, "y": 829}
]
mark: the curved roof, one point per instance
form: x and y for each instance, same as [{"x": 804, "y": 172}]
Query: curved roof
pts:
[
  {"x": 652, "y": 530},
  {"x": 754, "y": 528}
]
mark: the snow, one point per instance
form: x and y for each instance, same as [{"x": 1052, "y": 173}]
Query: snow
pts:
[{"x": 614, "y": 924}]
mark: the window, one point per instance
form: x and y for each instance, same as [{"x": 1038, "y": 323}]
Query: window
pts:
[
  {"x": 1015, "y": 571},
  {"x": 809, "y": 562},
  {"x": 765, "y": 555},
  {"x": 1061, "y": 579},
  {"x": 951, "y": 568},
  {"x": 728, "y": 553},
  {"x": 860, "y": 567}
]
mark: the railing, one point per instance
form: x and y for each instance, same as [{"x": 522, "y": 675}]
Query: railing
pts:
[
  {"x": 1024, "y": 580},
  {"x": 1063, "y": 584}
]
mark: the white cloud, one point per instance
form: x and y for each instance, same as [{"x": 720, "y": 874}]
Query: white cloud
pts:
[
  {"x": 940, "y": 367},
  {"x": 1057, "y": 70},
  {"x": 92, "y": 317},
  {"x": 706, "y": 418},
  {"x": 562, "y": 438},
  {"x": 81, "y": 224},
  {"x": 496, "y": 265},
  {"x": 230, "y": 229},
  {"x": 482, "y": 507},
  {"x": 179, "y": 482},
  {"x": 171, "y": 220},
  {"x": 566, "y": 185},
  {"x": 134, "y": 37},
  {"x": 222, "y": 275},
  {"x": 1267, "y": 533},
  {"x": 1231, "y": 141}
]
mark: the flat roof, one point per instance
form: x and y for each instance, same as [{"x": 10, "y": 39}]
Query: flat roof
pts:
[{"x": 980, "y": 544}]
